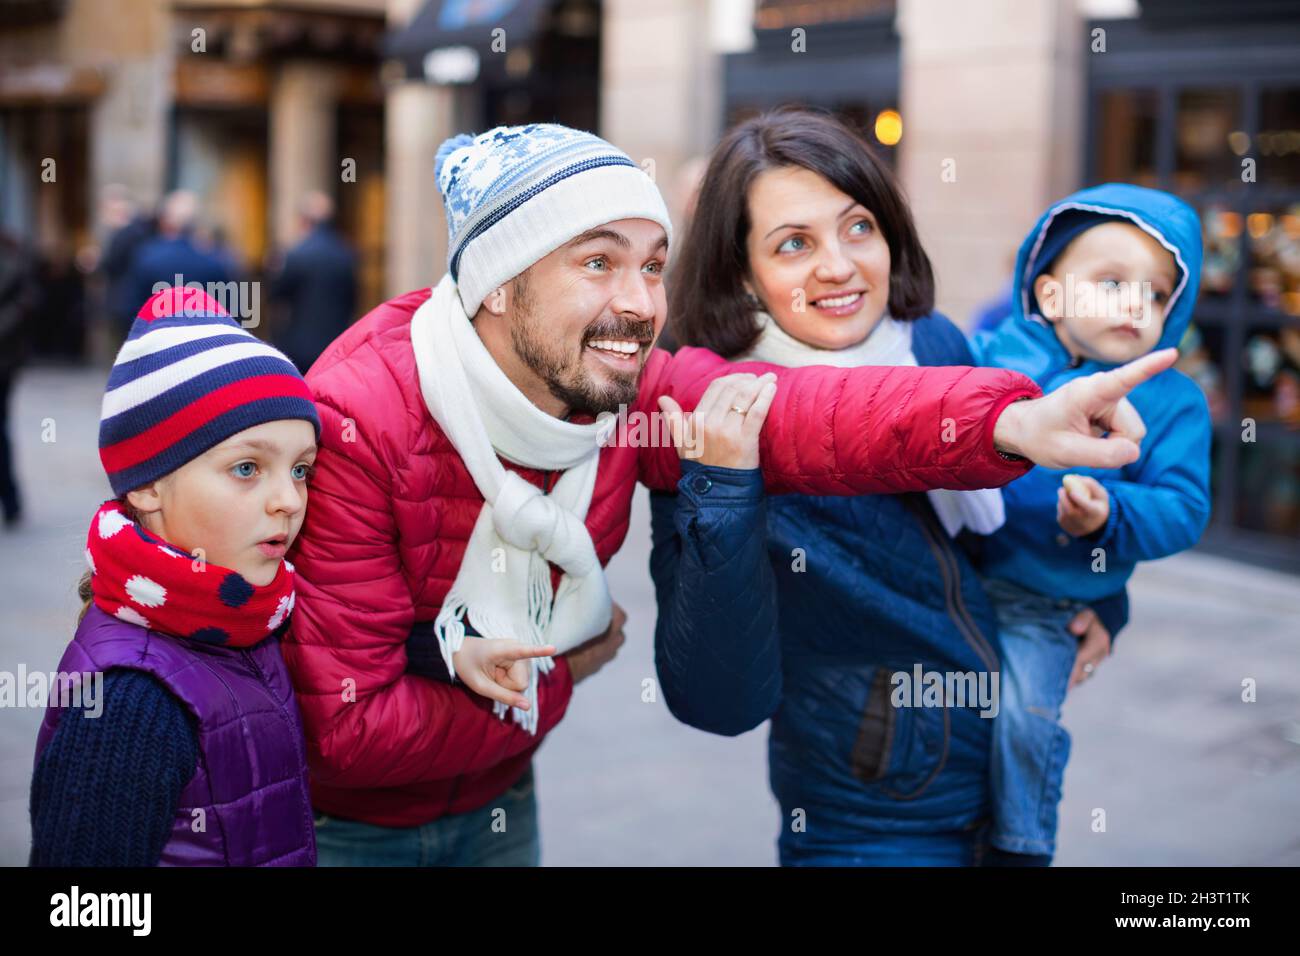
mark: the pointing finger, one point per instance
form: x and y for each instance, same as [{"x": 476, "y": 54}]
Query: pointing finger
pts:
[
  {"x": 1118, "y": 382},
  {"x": 521, "y": 652}
]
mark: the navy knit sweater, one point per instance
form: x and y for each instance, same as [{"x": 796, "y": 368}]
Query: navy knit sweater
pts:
[{"x": 106, "y": 788}]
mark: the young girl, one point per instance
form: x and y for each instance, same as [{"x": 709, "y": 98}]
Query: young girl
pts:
[
  {"x": 806, "y": 609},
  {"x": 196, "y": 757}
]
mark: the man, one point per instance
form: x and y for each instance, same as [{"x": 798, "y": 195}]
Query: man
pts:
[
  {"x": 464, "y": 486},
  {"x": 318, "y": 284},
  {"x": 174, "y": 252},
  {"x": 127, "y": 229},
  {"x": 18, "y": 294}
]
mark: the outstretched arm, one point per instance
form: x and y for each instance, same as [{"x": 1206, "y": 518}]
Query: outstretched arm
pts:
[
  {"x": 894, "y": 429},
  {"x": 847, "y": 431}
]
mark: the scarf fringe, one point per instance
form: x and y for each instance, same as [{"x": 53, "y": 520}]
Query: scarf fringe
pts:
[{"x": 449, "y": 627}]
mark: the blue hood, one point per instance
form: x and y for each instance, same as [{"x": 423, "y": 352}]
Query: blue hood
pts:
[{"x": 1170, "y": 220}]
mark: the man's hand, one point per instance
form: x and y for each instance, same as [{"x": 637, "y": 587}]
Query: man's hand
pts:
[
  {"x": 723, "y": 430},
  {"x": 496, "y": 668},
  {"x": 1082, "y": 505},
  {"x": 586, "y": 659},
  {"x": 1094, "y": 645},
  {"x": 1061, "y": 430}
]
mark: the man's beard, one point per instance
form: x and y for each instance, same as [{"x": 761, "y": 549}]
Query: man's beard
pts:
[{"x": 566, "y": 376}]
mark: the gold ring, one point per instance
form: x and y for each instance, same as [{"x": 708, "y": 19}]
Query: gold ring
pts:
[{"x": 737, "y": 408}]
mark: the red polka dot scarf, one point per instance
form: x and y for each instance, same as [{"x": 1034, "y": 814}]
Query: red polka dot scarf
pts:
[{"x": 138, "y": 577}]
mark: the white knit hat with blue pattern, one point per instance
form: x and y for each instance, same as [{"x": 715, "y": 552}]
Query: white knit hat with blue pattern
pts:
[{"x": 516, "y": 193}]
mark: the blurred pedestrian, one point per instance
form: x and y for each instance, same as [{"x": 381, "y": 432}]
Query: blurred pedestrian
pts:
[
  {"x": 317, "y": 284},
  {"x": 17, "y": 297},
  {"x": 174, "y": 252},
  {"x": 127, "y": 229}
]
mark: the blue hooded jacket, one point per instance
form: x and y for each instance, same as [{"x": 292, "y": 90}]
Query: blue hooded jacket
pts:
[{"x": 1159, "y": 504}]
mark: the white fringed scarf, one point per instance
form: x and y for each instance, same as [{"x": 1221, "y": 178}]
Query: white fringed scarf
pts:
[
  {"x": 503, "y": 586},
  {"x": 889, "y": 343}
]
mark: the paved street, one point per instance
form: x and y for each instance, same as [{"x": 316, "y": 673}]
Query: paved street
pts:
[{"x": 1185, "y": 771}]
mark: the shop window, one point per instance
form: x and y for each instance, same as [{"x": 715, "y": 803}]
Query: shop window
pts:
[
  {"x": 1270, "y": 363},
  {"x": 1273, "y": 238},
  {"x": 1221, "y": 235},
  {"x": 1202, "y": 352},
  {"x": 1278, "y": 143},
  {"x": 1268, "y": 487},
  {"x": 1208, "y": 136}
]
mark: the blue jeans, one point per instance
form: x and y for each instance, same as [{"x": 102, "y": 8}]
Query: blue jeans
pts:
[
  {"x": 482, "y": 837},
  {"x": 952, "y": 848},
  {"x": 1030, "y": 747}
]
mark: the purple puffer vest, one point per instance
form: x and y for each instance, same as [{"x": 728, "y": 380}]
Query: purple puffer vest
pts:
[{"x": 251, "y": 778}]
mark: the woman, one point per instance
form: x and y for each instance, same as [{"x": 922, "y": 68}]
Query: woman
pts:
[{"x": 802, "y": 609}]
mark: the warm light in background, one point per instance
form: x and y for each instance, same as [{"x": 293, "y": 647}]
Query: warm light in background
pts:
[
  {"x": 1229, "y": 224},
  {"x": 1258, "y": 224},
  {"x": 889, "y": 127}
]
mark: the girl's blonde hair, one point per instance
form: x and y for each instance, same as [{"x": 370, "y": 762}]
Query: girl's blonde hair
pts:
[{"x": 85, "y": 592}]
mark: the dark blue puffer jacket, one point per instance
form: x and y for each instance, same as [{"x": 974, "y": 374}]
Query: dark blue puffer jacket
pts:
[{"x": 743, "y": 635}]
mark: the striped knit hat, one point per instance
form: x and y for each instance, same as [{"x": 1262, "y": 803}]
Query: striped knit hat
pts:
[
  {"x": 187, "y": 378},
  {"x": 516, "y": 193}
]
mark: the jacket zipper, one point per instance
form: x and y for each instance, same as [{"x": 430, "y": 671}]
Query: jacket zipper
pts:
[
  {"x": 951, "y": 574},
  {"x": 959, "y": 615}
]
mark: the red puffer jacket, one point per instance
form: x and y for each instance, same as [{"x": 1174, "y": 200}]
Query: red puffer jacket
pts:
[{"x": 392, "y": 508}]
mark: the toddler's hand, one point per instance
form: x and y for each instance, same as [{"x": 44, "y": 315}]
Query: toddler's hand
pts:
[
  {"x": 497, "y": 669},
  {"x": 1082, "y": 505}
]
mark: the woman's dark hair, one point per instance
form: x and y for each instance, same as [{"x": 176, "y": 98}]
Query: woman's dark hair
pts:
[
  {"x": 707, "y": 302},
  {"x": 85, "y": 591}
]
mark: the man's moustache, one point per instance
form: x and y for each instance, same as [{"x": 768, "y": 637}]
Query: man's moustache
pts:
[{"x": 643, "y": 332}]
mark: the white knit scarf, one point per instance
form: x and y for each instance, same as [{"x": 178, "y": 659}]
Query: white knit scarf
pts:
[
  {"x": 504, "y": 582},
  {"x": 889, "y": 343}
]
